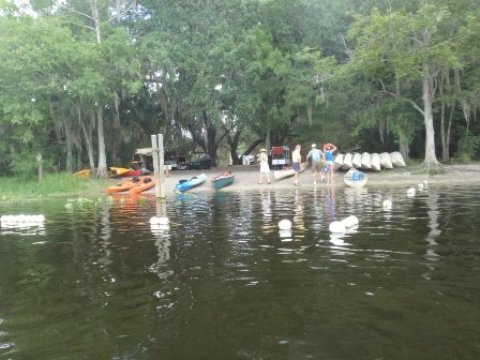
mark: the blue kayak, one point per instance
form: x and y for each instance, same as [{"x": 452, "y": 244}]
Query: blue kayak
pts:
[{"x": 185, "y": 185}]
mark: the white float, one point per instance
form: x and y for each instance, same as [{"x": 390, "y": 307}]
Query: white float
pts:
[
  {"x": 284, "y": 224},
  {"x": 350, "y": 221},
  {"x": 411, "y": 192},
  {"x": 387, "y": 204},
  {"x": 386, "y": 160},
  {"x": 22, "y": 220},
  {"x": 159, "y": 220},
  {"x": 420, "y": 186},
  {"x": 337, "y": 227}
]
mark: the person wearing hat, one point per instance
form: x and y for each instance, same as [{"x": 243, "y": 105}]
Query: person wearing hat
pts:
[
  {"x": 315, "y": 157},
  {"x": 296, "y": 161},
  {"x": 262, "y": 158}
]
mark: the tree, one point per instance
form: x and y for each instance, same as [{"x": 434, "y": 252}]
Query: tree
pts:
[{"x": 400, "y": 48}]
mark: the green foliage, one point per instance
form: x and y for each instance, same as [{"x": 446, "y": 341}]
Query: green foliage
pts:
[
  {"x": 24, "y": 165},
  {"x": 52, "y": 185},
  {"x": 467, "y": 147}
]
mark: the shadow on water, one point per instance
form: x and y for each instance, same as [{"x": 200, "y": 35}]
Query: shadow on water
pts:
[{"x": 216, "y": 276}]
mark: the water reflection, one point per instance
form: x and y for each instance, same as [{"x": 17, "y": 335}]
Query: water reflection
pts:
[
  {"x": 434, "y": 232},
  {"x": 161, "y": 231},
  {"x": 223, "y": 260}
]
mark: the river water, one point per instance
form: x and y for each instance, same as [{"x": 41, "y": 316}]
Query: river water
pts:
[{"x": 98, "y": 281}]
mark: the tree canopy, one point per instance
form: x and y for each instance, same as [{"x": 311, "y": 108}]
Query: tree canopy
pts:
[{"x": 86, "y": 82}]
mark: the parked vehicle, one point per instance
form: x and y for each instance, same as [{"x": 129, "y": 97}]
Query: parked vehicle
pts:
[
  {"x": 281, "y": 157},
  {"x": 200, "y": 162}
]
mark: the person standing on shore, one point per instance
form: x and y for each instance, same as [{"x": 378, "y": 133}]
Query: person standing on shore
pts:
[
  {"x": 262, "y": 158},
  {"x": 328, "y": 150},
  {"x": 315, "y": 157},
  {"x": 296, "y": 160}
]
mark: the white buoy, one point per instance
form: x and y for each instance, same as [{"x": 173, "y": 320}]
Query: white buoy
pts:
[
  {"x": 284, "y": 224},
  {"x": 22, "y": 220},
  {"x": 387, "y": 204},
  {"x": 350, "y": 221},
  {"x": 159, "y": 220},
  {"x": 420, "y": 186},
  {"x": 337, "y": 227},
  {"x": 411, "y": 192}
]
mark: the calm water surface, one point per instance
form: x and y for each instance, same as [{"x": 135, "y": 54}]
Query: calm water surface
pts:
[{"x": 222, "y": 282}]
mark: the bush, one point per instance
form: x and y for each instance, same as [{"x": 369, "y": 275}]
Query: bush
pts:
[
  {"x": 24, "y": 165},
  {"x": 467, "y": 148}
]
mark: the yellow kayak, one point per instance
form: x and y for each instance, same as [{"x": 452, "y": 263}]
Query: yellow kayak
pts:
[
  {"x": 118, "y": 171},
  {"x": 84, "y": 174}
]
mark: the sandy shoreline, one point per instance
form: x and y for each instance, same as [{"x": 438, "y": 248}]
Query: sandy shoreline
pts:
[{"x": 246, "y": 178}]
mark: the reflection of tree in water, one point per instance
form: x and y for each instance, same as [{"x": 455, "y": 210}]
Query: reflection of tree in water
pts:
[{"x": 434, "y": 233}]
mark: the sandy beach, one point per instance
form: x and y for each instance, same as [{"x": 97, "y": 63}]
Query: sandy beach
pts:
[{"x": 246, "y": 178}]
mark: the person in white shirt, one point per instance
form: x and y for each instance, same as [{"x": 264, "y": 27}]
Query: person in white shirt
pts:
[
  {"x": 262, "y": 158},
  {"x": 296, "y": 160}
]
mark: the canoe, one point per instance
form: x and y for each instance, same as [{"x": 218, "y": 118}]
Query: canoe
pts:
[
  {"x": 285, "y": 173},
  {"x": 397, "y": 159},
  {"x": 222, "y": 180},
  {"x": 84, "y": 174},
  {"x": 347, "y": 161},
  {"x": 376, "y": 162},
  {"x": 145, "y": 184},
  {"x": 185, "y": 185},
  {"x": 355, "y": 179},
  {"x": 366, "y": 161},
  {"x": 338, "y": 162},
  {"x": 357, "y": 160},
  {"x": 118, "y": 171},
  {"x": 386, "y": 161},
  {"x": 124, "y": 185}
]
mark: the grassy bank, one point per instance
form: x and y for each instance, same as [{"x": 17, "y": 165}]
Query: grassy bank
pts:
[{"x": 52, "y": 185}]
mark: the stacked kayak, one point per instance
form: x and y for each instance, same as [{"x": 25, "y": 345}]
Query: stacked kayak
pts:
[
  {"x": 367, "y": 161},
  {"x": 185, "y": 185}
]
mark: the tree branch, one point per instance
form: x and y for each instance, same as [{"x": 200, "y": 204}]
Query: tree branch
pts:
[{"x": 399, "y": 97}]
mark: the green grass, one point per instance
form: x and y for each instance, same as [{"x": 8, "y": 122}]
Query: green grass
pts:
[{"x": 52, "y": 185}]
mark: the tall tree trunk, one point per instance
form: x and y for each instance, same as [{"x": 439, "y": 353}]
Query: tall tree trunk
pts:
[
  {"x": 233, "y": 145},
  {"x": 116, "y": 135},
  {"x": 87, "y": 134},
  {"x": 428, "y": 95},
  {"x": 102, "y": 171},
  {"x": 96, "y": 20}
]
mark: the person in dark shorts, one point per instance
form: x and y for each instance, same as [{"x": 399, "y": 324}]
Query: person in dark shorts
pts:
[{"x": 315, "y": 156}]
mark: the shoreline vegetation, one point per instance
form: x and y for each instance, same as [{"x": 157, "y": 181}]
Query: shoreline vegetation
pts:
[{"x": 65, "y": 185}]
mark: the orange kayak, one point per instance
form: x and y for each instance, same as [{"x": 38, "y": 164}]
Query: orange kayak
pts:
[
  {"x": 120, "y": 187},
  {"x": 145, "y": 184}
]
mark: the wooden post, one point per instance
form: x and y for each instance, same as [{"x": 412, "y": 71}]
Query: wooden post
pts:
[
  {"x": 160, "y": 188},
  {"x": 158, "y": 167}
]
